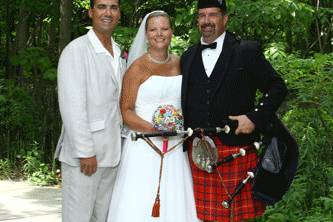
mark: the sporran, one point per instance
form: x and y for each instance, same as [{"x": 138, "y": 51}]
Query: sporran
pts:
[{"x": 204, "y": 153}]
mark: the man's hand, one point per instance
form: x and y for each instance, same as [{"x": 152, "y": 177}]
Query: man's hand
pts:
[
  {"x": 88, "y": 166},
  {"x": 245, "y": 125}
]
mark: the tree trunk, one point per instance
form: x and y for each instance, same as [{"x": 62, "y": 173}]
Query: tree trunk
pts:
[
  {"x": 8, "y": 44},
  {"x": 22, "y": 28},
  {"x": 51, "y": 38},
  {"x": 65, "y": 23},
  {"x": 318, "y": 28},
  {"x": 21, "y": 33},
  {"x": 2, "y": 46},
  {"x": 289, "y": 38},
  {"x": 40, "y": 32}
]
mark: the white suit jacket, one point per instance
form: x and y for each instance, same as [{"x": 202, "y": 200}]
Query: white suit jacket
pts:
[{"x": 89, "y": 84}]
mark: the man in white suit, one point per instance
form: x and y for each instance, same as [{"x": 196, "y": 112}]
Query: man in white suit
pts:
[{"x": 89, "y": 81}]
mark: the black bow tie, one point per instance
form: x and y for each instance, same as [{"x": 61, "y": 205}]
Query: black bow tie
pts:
[{"x": 210, "y": 46}]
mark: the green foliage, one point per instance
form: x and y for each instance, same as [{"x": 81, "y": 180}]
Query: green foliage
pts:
[
  {"x": 43, "y": 176},
  {"x": 308, "y": 114},
  {"x": 21, "y": 107},
  {"x": 185, "y": 23},
  {"x": 28, "y": 103},
  {"x": 5, "y": 169},
  {"x": 289, "y": 21},
  {"x": 3, "y": 99},
  {"x": 276, "y": 50},
  {"x": 178, "y": 45},
  {"x": 124, "y": 36},
  {"x": 20, "y": 121},
  {"x": 79, "y": 4},
  {"x": 35, "y": 170},
  {"x": 35, "y": 60},
  {"x": 322, "y": 207}
]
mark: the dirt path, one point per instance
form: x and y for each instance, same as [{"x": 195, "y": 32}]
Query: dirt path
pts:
[{"x": 22, "y": 202}]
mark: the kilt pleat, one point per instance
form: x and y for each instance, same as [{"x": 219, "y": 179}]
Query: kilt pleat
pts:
[{"x": 209, "y": 191}]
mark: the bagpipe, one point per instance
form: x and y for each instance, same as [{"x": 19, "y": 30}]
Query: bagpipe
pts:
[
  {"x": 276, "y": 168},
  {"x": 165, "y": 134},
  {"x": 270, "y": 179}
]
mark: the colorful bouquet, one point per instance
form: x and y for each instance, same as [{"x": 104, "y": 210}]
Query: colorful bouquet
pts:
[{"x": 168, "y": 118}]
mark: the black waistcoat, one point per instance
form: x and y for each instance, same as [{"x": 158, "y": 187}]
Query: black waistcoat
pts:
[
  {"x": 208, "y": 103},
  {"x": 199, "y": 97}
]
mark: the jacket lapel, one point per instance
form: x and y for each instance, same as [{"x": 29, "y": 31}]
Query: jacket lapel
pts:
[
  {"x": 186, "y": 68},
  {"x": 222, "y": 64},
  {"x": 111, "y": 71},
  {"x": 103, "y": 54}
]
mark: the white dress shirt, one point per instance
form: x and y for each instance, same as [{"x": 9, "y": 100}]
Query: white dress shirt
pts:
[
  {"x": 99, "y": 48},
  {"x": 210, "y": 56}
]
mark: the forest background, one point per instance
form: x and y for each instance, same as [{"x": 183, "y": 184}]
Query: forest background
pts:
[{"x": 297, "y": 37}]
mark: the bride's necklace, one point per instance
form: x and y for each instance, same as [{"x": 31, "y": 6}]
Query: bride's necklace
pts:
[{"x": 159, "y": 61}]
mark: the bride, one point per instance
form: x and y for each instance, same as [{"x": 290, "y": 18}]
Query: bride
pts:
[{"x": 153, "y": 79}]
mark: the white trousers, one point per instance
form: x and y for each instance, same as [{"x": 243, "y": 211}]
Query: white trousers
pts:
[{"x": 86, "y": 198}]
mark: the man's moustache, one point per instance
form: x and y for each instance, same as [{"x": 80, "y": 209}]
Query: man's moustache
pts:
[{"x": 207, "y": 25}]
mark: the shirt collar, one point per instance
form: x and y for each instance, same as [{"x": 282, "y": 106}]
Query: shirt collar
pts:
[
  {"x": 98, "y": 46},
  {"x": 219, "y": 41}
]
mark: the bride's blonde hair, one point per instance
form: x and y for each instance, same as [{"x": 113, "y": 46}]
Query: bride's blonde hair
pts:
[{"x": 157, "y": 14}]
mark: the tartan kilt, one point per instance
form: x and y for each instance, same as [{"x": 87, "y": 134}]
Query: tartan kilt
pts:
[{"x": 209, "y": 191}]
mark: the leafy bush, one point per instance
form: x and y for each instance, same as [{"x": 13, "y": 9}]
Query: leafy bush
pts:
[
  {"x": 35, "y": 170},
  {"x": 309, "y": 115},
  {"x": 5, "y": 169},
  {"x": 124, "y": 36},
  {"x": 28, "y": 106}
]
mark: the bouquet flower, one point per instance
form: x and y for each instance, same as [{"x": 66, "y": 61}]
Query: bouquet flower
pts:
[{"x": 168, "y": 118}]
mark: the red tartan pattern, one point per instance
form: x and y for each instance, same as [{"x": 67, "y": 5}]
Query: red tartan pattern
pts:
[{"x": 209, "y": 192}]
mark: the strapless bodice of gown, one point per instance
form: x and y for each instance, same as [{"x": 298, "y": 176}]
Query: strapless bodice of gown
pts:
[{"x": 156, "y": 91}]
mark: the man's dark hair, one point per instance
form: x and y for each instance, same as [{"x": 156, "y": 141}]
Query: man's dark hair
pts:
[{"x": 92, "y": 3}]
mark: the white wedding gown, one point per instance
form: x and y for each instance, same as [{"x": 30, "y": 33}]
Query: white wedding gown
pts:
[{"x": 137, "y": 180}]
